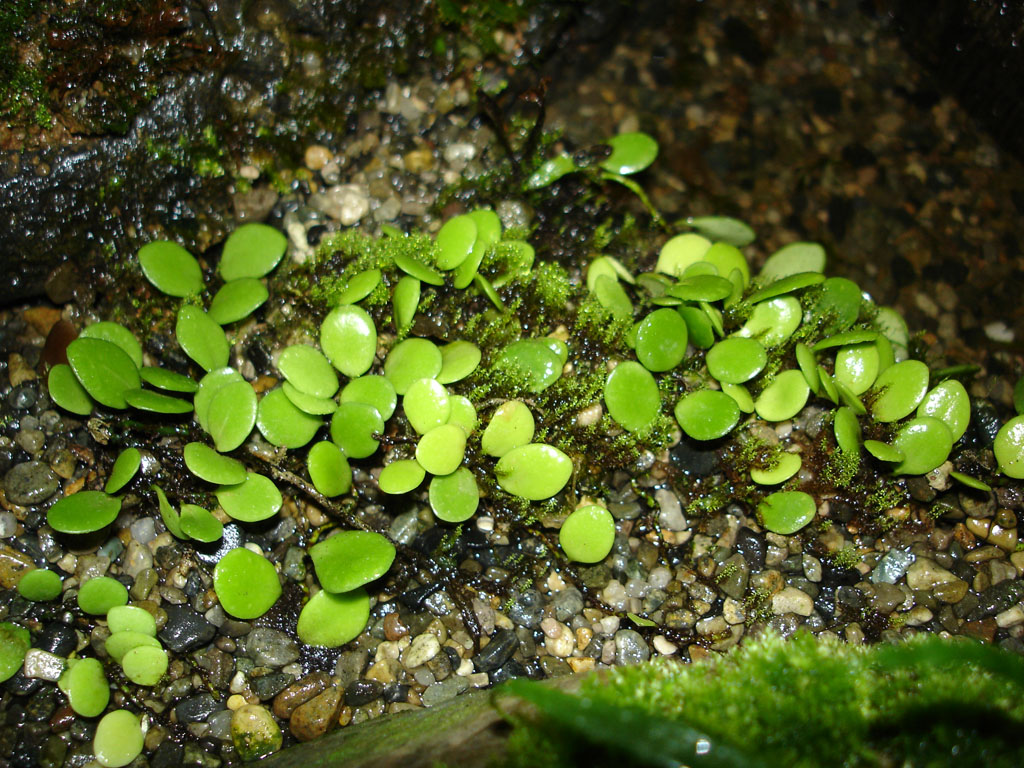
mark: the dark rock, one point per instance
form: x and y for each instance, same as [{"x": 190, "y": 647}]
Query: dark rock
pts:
[
  {"x": 30, "y": 483},
  {"x": 42, "y": 705},
  {"x": 268, "y": 686},
  {"x": 360, "y": 692},
  {"x": 270, "y": 647},
  {"x": 752, "y": 546},
  {"x": 196, "y": 709},
  {"x": 395, "y": 693},
  {"x": 527, "y": 609},
  {"x": 693, "y": 461},
  {"x": 567, "y": 603},
  {"x": 414, "y": 599},
  {"x": 57, "y": 638},
  {"x": 503, "y": 644},
  {"x": 997, "y": 598},
  {"x": 185, "y": 630},
  {"x": 167, "y": 755}
]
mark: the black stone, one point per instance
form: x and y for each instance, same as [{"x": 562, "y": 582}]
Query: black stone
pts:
[
  {"x": 751, "y": 545},
  {"x": 415, "y": 598},
  {"x": 997, "y": 599},
  {"x": 741, "y": 39},
  {"x": 268, "y": 686},
  {"x": 395, "y": 693},
  {"x": 693, "y": 461},
  {"x": 196, "y": 709},
  {"x": 167, "y": 755},
  {"x": 503, "y": 644},
  {"x": 510, "y": 670},
  {"x": 57, "y": 638},
  {"x": 185, "y": 630},
  {"x": 858, "y": 155},
  {"x": 360, "y": 692}
]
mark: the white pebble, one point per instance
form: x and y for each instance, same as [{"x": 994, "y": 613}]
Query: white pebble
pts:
[
  {"x": 43, "y": 665},
  {"x": 614, "y": 595},
  {"x": 998, "y": 331},
  {"x": 660, "y": 577},
  {"x": 663, "y": 646}
]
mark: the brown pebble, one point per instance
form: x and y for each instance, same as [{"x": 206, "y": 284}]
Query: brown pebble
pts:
[
  {"x": 62, "y": 719},
  {"x": 55, "y": 350},
  {"x": 13, "y": 565},
  {"x": 394, "y": 627},
  {"x": 418, "y": 160},
  {"x": 18, "y": 371},
  {"x": 317, "y": 156},
  {"x": 42, "y": 318},
  {"x": 316, "y": 716},
  {"x": 983, "y": 630},
  {"x": 299, "y": 692}
]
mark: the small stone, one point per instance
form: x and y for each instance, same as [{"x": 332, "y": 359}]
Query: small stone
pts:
[
  {"x": 614, "y": 595},
  {"x": 185, "y": 630},
  {"x": 987, "y": 529},
  {"x": 137, "y": 559},
  {"x": 925, "y": 574},
  {"x": 663, "y": 646},
  {"x": 444, "y": 691},
  {"x": 42, "y": 665},
  {"x": 733, "y": 611},
  {"x": 630, "y": 647},
  {"x": 1011, "y": 617},
  {"x": 559, "y": 640},
  {"x": 299, "y": 692},
  {"x": 254, "y": 732},
  {"x": 143, "y": 530},
  {"x": 347, "y": 203},
  {"x": 567, "y": 603},
  {"x": 734, "y": 576},
  {"x": 316, "y": 716},
  {"x": 418, "y": 160},
  {"x": 317, "y": 156},
  {"x": 792, "y": 600},
  {"x": 30, "y": 483},
  {"x": 360, "y": 692},
  {"x": 268, "y": 686},
  {"x": 527, "y": 609},
  {"x": 499, "y": 650},
  {"x": 270, "y": 647},
  {"x": 950, "y": 591},
  {"x": 892, "y": 567},
  {"x": 422, "y": 649},
  {"x": 13, "y": 565},
  {"x": 671, "y": 515},
  {"x": 196, "y": 709},
  {"x": 42, "y": 318},
  {"x": 18, "y": 371},
  {"x": 8, "y": 525},
  {"x": 31, "y": 441}
]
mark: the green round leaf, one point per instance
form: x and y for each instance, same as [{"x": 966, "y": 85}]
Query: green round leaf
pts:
[
  {"x": 201, "y": 338},
  {"x": 808, "y": 366},
  {"x": 118, "y": 739},
  {"x": 466, "y": 272},
  {"x": 252, "y": 250},
  {"x": 839, "y": 302},
  {"x": 602, "y": 266},
  {"x": 732, "y": 231},
  {"x": 83, "y": 512},
  {"x": 353, "y": 427},
  {"x": 104, "y": 369},
  {"x": 458, "y": 360},
  {"x": 698, "y": 287},
  {"x": 117, "y": 334},
  {"x": 349, "y": 339},
  {"x": 786, "y": 285},
  {"x": 793, "y": 259},
  {"x": 360, "y": 286},
  {"x": 828, "y": 385},
  {"x": 401, "y": 476},
  {"x": 707, "y": 414},
  {"x": 535, "y": 361},
  {"x": 661, "y": 340},
  {"x": 772, "y": 322},
  {"x": 613, "y": 297},
  {"x": 455, "y": 497},
  {"x": 680, "y": 252},
  {"x": 463, "y": 413},
  {"x": 99, "y": 595},
  {"x": 736, "y": 360},
  {"x": 14, "y": 644},
  {"x": 329, "y": 469},
  {"x": 535, "y": 471},
  {"x": 843, "y": 338},
  {"x": 900, "y": 389},
  {"x": 40, "y": 585},
  {"x": 406, "y": 299},
  {"x": 308, "y": 370},
  {"x": 246, "y": 583},
  {"x": 231, "y": 414},
  {"x": 700, "y": 332},
  {"x": 587, "y": 534},
  {"x": 144, "y": 665},
  {"x": 418, "y": 269},
  {"x": 741, "y": 395},
  {"x": 122, "y": 641},
  {"x": 787, "y": 466},
  {"x": 857, "y": 367},
  {"x": 372, "y": 390},
  {"x": 200, "y": 524},
  {"x": 949, "y": 403},
  {"x": 86, "y": 686},
  {"x": 847, "y": 430},
  {"x": 124, "y": 469},
  {"x": 551, "y": 171},
  {"x": 440, "y": 450},
  {"x": 631, "y": 153},
  {"x": 208, "y": 387},
  {"x": 238, "y": 299},
  {"x": 332, "y": 620},
  {"x": 632, "y": 396},
  {"x": 156, "y": 402},
  {"x": 455, "y": 241},
  {"x": 311, "y": 404},
  {"x": 511, "y": 426},
  {"x": 350, "y": 559},
  {"x": 67, "y": 391},
  {"x": 427, "y": 405},
  {"x": 168, "y": 513},
  {"x": 726, "y": 257},
  {"x": 254, "y": 499},
  {"x": 206, "y": 464},
  {"x": 171, "y": 269},
  {"x": 131, "y": 618},
  {"x": 925, "y": 442},
  {"x": 411, "y": 360},
  {"x": 786, "y": 512},
  {"x": 161, "y": 378},
  {"x": 1009, "y": 448},
  {"x": 784, "y": 397},
  {"x": 488, "y": 226}
]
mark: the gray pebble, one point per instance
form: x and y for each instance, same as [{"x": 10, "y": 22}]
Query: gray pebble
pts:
[
  {"x": 503, "y": 644},
  {"x": 8, "y": 525},
  {"x": 350, "y": 666},
  {"x": 630, "y": 647},
  {"x": 892, "y": 567},
  {"x": 185, "y": 630},
  {"x": 444, "y": 691},
  {"x": 528, "y": 609},
  {"x": 567, "y": 603},
  {"x": 143, "y": 531},
  {"x": 196, "y": 709},
  {"x": 31, "y": 440},
  {"x": 268, "y": 686},
  {"x": 30, "y": 483},
  {"x": 270, "y": 647}
]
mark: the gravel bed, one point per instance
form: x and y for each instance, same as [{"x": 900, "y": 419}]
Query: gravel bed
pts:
[{"x": 776, "y": 138}]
